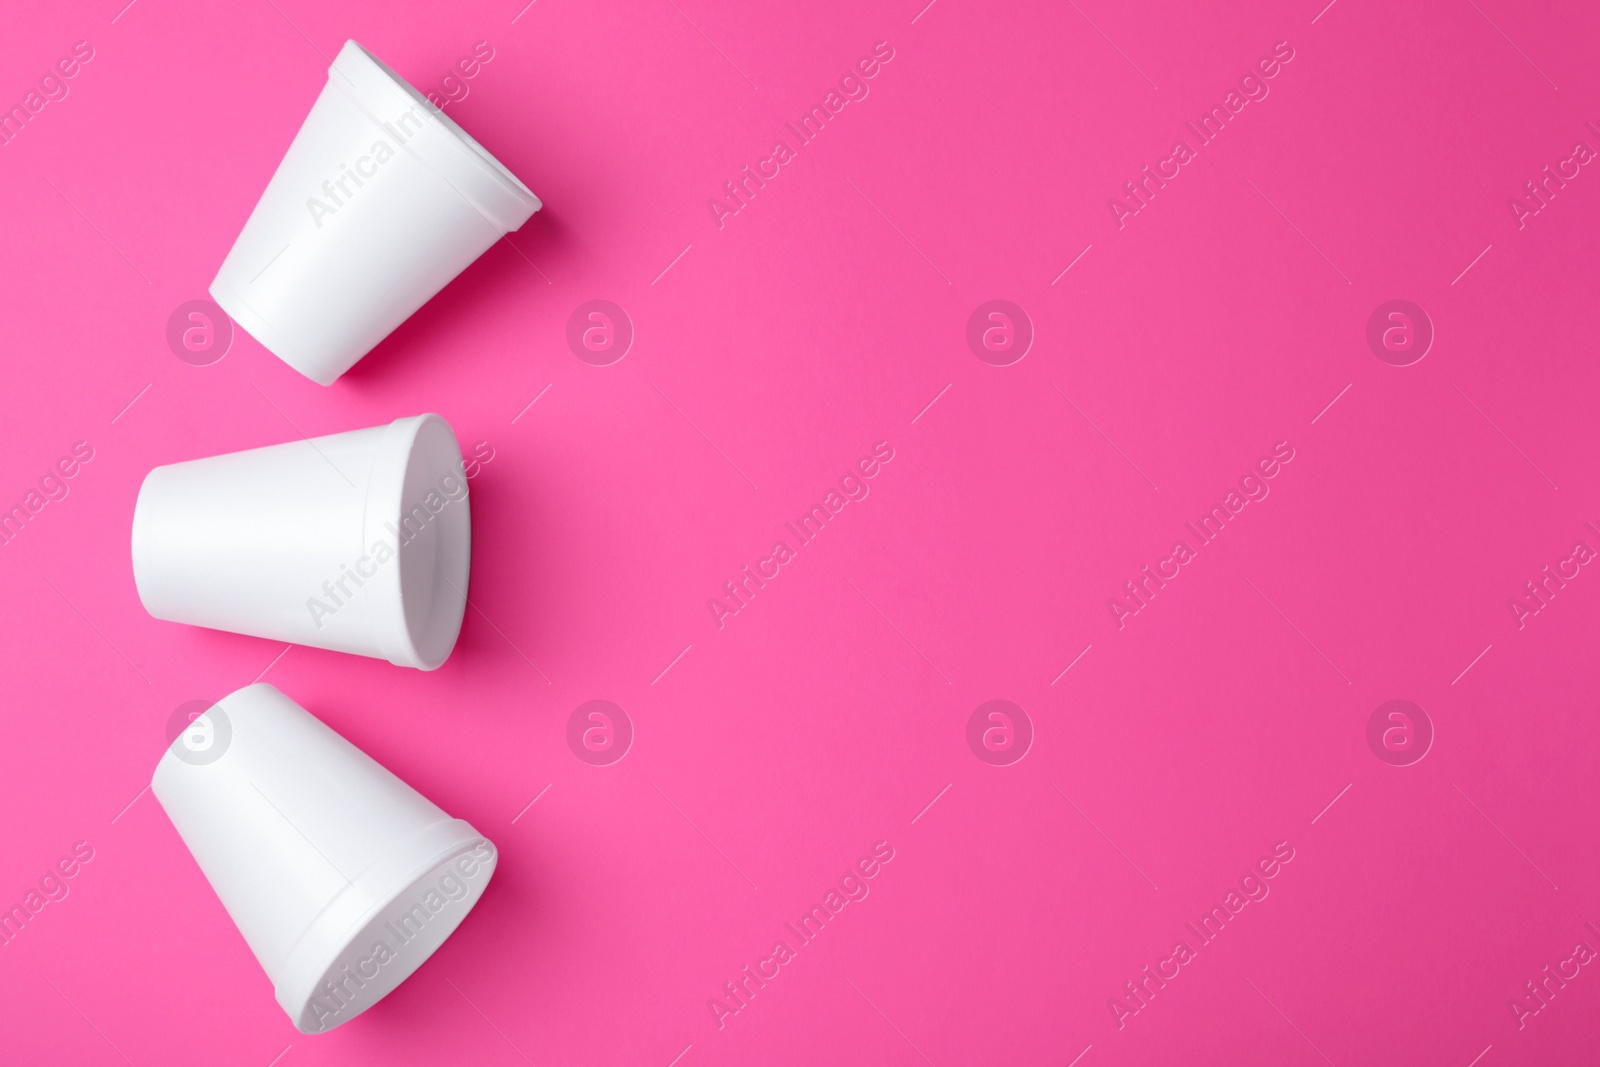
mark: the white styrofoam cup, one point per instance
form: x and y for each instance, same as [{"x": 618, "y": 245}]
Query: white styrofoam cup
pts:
[
  {"x": 381, "y": 200},
  {"x": 341, "y": 877},
  {"x": 356, "y": 542}
]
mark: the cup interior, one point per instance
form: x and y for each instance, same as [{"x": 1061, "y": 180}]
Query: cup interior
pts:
[
  {"x": 436, "y": 544},
  {"x": 466, "y": 139},
  {"x": 369, "y": 961}
]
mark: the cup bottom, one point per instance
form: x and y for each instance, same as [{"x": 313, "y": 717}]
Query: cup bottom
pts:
[{"x": 252, "y": 323}]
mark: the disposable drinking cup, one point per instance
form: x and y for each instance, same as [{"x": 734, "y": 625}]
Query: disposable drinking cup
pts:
[
  {"x": 341, "y": 877},
  {"x": 356, "y": 542},
  {"x": 381, "y": 200}
]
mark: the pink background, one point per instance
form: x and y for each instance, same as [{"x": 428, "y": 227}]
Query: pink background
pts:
[{"x": 824, "y": 317}]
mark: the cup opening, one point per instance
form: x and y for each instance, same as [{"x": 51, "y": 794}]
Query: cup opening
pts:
[
  {"x": 388, "y": 945},
  {"x": 435, "y": 542},
  {"x": 467, "y": 140}
]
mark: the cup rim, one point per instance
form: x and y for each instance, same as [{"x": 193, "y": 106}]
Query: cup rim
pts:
[
  {"x": 362, "y": 904},
  {"x": 421, "y": 447},
  {"x": 355, "y": 52}
]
